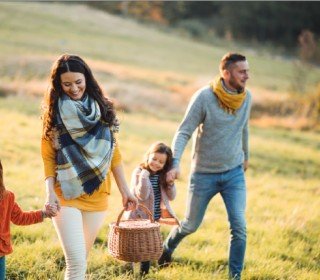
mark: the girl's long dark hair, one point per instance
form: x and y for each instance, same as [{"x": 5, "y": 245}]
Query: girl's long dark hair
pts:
[
  {"x": 73, "y": 63},
  {"x": 2, "y": 187},
  {"x": 161, "y": 148}
]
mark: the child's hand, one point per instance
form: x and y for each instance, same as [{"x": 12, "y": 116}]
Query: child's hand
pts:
[
  {"x": 172, "y": 175},
  {"x": 170, "y": 182},
  {"x": 51, "y": 210},
  {"x": 145, "y": 173}
]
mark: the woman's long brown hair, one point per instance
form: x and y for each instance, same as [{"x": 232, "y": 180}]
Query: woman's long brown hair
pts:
[
  {"x": 73, "y": 63},
  {"x": 161, "y": 148}
]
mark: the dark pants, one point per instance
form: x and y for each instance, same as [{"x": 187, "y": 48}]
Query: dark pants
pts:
[
  {"x": 2, "y": 268},
  {"x": 144, "y": 267}
]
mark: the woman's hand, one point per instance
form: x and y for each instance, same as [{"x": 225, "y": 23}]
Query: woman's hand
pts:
[
  {"x": 50, "y": 210},
  {"x": 52, "y": 203},
  {"x": 129, "y": 202}
]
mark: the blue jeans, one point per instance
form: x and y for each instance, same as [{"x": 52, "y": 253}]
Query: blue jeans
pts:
[
  {"x": 203, "y": 187},
  {"x": 2, "y": 268}
]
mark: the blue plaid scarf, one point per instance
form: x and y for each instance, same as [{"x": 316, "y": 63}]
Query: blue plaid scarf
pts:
[{"x": 85, "y": 146}]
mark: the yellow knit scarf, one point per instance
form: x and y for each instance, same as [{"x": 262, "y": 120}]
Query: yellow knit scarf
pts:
[{"x": 228, "y": 102}]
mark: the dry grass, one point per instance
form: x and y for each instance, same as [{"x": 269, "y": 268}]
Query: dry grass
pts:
[
  {"x": 283, "y": 190},
  {"x": 152, "y": 75}
]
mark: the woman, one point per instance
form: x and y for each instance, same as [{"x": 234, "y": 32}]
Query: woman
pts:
[{"x": 78, "y": 150}]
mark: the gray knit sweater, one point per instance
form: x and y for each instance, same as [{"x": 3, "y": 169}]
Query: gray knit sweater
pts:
[{"x": 220, "y": 141}]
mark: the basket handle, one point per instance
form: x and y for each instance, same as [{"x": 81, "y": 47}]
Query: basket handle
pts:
[{"x": 144, "y": 208}]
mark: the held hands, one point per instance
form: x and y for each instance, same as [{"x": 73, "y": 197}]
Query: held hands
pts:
[
  {"x": 50, "y": 210},
  {"x": 52, "y": 205},
  {"x": 173, "y": 174}
]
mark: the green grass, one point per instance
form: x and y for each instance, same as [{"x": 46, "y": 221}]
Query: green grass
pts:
[
  {"x": 283, "y": 198},
  {"x": 140, "y": 66}
]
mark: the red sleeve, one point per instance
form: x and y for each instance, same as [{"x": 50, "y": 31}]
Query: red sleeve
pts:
[{"x": 20, "y": 217}]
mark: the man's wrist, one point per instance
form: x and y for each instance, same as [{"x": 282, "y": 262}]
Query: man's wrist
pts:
[{"x": 175, "y": 163}]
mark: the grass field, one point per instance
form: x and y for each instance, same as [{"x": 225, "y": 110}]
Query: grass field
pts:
[
  {"x": 152, "y": 74},
  {"x": 283, "y": 203}
]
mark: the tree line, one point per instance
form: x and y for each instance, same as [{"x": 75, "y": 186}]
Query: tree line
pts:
[{"x": 273, "y": 22}]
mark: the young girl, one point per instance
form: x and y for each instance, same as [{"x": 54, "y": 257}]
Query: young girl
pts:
[
  {"x": 149, "y": 185},
  {"x": 10, "y": 211}
]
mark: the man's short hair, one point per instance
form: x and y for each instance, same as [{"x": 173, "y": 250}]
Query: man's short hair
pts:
[{"x": 229, "y": 59}]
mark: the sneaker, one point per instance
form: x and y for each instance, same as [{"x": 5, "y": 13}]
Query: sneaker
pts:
[
  {"x": 165, "y": 259},
  {"x": 144, "y": 268}
]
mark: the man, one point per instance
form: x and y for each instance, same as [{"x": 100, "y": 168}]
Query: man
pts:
[{"x": 220, "y": 113}]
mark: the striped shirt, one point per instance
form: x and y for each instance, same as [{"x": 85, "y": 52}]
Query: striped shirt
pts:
[{"x": 154, "y": 179}]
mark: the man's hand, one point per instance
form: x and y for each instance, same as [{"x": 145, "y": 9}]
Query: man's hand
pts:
[
  {"x": 245, "y": 165},
  {"x": 173, "y": 174}
]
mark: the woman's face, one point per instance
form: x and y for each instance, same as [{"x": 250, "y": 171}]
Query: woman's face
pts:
[{"x": 73, "y": 84}]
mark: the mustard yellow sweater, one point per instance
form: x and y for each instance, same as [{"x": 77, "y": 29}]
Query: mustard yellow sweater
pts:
[{"x": 98, "y": 201}]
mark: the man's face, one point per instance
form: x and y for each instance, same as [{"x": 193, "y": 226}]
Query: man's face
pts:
[{"x": 237, "y": 76}]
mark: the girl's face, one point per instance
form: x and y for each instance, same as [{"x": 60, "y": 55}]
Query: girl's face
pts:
[
  {"x": 73, "y": 84},
  {"x": 156, "y": 161}
]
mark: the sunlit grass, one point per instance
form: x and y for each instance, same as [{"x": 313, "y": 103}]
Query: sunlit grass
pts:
[
  {"x": 144, "y": 68},
  {"x": 283, "y": 195}
]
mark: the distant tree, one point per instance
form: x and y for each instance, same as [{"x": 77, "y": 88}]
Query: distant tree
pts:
[{"x": 279, "y": 22}]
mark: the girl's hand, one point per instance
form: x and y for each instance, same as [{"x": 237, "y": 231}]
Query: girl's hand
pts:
[
  {"x": 52, "y": 205},
  {"x": 144, "y": 173},
  {"x": 52, "y": 198},
  {"x": 50, "y": 210},
  {"x": 173, "y": 174}
]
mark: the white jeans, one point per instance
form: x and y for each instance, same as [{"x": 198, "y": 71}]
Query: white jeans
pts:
[{"x": 77, "y": 231}]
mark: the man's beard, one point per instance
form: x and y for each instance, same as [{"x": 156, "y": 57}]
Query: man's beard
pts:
[{"x": 235, "y": 85}]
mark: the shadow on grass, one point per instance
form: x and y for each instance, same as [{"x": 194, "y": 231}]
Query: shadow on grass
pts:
[
  {"x": 284, "y": 165},
  {"x": 309, "y": 256},
  {"x": 196, "y": 265},
  {"x": 282, "y": 135}
]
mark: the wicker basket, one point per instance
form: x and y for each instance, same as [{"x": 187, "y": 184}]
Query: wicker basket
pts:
[{"x": 135, "y": 240}]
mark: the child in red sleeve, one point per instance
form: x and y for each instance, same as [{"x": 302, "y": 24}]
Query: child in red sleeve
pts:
[{"x": 11, "y": 212}]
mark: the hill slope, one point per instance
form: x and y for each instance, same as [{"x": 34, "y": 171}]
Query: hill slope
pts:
[{"x": 122, "y": 52}]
